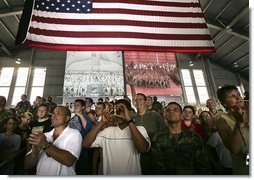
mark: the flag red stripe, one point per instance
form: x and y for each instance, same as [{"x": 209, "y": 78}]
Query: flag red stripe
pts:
[
  {"x": 171, "y": 17},
  {"x": 120, "y": 48},
  {"x": 118, "y": 34},
  {"x": 148, "y": 13},
  {"x": 144, "y": 2},
  {"x": 117, "y": 22}
]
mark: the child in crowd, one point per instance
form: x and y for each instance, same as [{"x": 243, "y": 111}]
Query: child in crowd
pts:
[{"x": 9, "y": 146}]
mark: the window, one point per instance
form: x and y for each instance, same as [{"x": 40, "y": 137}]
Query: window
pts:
[
  {"x": 20, "y": 85},
  {"x": 38, "y": 83},
  {"x": 194, "y": 83},
  {"x": 18, "y": 91},
  {"x": 5, "y": 80},
  {"x": 188, "y": 87},
  {"x": 190, "y": 95},
  {"x": 201, "y": 85},
  {"x": 13, "y": 85}
]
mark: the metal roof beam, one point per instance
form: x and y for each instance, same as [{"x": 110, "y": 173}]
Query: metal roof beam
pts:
[
  {"x": 239, "y": 60},
  {"x": 232, "y": 52},
  {"x": 224, "y": 44},
  {"x": 15, "y": 10},
  {"x": 208, "y": 5},
  {"x": 233, "y": 22},
  {"x": 231, "y": 31},
  {"x": 16, "y": 17},
  {"x": 245, "y": 68},
  {"x": 5, "y": 49},
  {"x": 7, "y": 4},
  {"x": 6, "y": 29},
  {"x": 247, "y": 26},
  {"x": 228, "y": 4}
]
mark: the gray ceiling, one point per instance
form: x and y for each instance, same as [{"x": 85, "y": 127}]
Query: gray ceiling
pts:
[{"x": 228, "y": 22}]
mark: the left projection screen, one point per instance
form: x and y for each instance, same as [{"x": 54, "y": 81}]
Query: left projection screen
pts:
[{"x": 93, "y": 74}]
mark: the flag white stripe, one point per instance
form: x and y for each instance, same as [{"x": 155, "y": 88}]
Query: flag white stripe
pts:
[
  {"x": 110, "y": 28},
  {"x": 119, "y": 17},
  {"x": 146, "y": 7},
  {"x": 181, "y": 1},
  {"x": 119, "y": 41}
]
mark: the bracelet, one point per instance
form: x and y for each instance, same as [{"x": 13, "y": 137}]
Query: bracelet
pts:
[
  {"x": 46, "y": 146},
  {"x": 131, "y": 121}
]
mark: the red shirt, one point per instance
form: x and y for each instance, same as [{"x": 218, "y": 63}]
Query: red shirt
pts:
[{"x": 195, "y": 127}]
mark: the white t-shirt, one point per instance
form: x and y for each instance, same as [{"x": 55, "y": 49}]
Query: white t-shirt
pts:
[
  {"x": 69, "y": 140},
  {"x": 120, "y": 156},
  {"x": 223, "y": 153}
]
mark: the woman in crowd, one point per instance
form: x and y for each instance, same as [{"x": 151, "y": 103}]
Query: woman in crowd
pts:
[
  {"x": 219, "y": 156},
  {"x": 233, "y": 128}
]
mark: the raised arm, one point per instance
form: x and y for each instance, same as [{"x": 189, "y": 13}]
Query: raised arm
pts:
[
  {"x": 90, "y": 137},
  {"x": 133, "y": 91},
  {"x": 140, "y": 142}
]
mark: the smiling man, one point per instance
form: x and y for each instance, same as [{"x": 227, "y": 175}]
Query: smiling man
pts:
[{"x": 55, "y": 152}]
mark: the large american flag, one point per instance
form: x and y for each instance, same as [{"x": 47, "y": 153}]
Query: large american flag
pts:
[{"x": 115, "y": 25}]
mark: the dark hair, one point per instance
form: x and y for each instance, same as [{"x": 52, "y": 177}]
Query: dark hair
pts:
[
  {"x": 223, "y": 91},
  {"x": 191, "y": 107},
  {"x": 200, "y": 115},
  {"x": 90, "y": 100},
  {"x": 125, "y": 102},
  {"x": 67, "y": 112},
  {"x": 149, "y": 97},
  {"x": 175, "y": 103},
  {"x": 2, "y": 101},
  {"x": 141, "y": 94},
  {"x": 81, "y": 101},
  {"x": 102, "y": 103},
  {"x": 100, "y": 99},
  {"x": 44, "y": 105},
  {"x": 10, "y": 117}
]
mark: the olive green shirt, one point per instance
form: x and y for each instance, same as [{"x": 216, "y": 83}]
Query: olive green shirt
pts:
[{"x": 152, "y": 121}]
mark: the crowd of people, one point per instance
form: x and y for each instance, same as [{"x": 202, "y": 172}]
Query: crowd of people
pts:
[
  {"x": 77, "y": 83},
  {"x": 125, "y": 137},
  {"x": 152, "y": 75}
]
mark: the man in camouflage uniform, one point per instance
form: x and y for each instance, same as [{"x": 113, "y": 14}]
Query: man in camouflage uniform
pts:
[
  {"x": 3, "y": 113},
  {"x": 23, "y": 105},
  {"x": 178, "y": 152}
]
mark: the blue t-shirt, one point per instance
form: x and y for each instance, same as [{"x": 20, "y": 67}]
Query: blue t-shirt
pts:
[{"x": 76, "y": 123}]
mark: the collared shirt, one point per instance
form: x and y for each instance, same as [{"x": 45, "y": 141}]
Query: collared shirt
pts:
[{"x": 69, "y": 140}]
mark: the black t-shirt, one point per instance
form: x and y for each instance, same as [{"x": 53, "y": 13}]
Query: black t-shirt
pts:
[{"x": 45, "y": 125}]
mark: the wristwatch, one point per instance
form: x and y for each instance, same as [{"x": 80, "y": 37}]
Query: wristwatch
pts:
[
  {"x": 131, "y": 121},
  {"x": 46, "y": 146}
]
